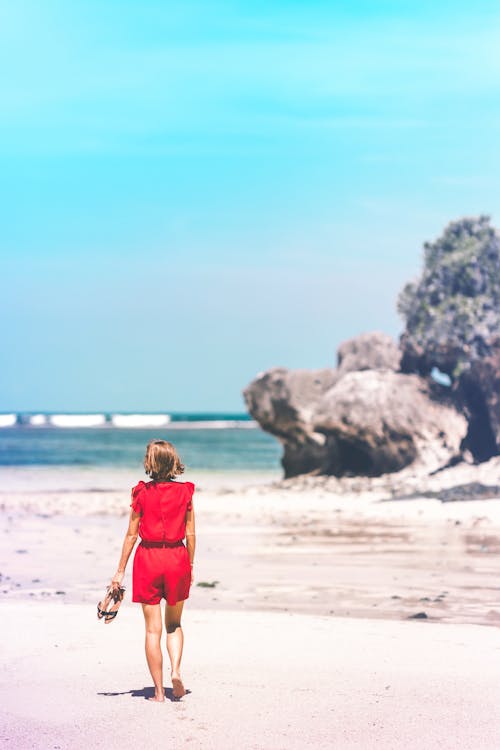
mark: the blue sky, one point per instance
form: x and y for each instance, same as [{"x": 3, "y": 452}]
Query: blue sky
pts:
[{"x": 191, "y": 193}]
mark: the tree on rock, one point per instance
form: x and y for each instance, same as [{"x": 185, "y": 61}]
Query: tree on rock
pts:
[{"x": 452, "y": 312}]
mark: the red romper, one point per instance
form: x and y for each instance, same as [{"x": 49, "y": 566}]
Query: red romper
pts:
[{"x": 161, "y": 571}]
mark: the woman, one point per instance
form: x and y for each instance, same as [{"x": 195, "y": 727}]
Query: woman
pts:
[{"x": 162, "y": 514}]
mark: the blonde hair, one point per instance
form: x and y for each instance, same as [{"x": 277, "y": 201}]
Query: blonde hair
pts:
[{"x": 161, "y": 461}]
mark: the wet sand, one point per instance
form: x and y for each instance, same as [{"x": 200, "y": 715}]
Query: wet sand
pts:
[{"x": 266, "y": 548}]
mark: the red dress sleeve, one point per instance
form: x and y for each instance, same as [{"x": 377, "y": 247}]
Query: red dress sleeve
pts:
[
  {"x": 190, "y": 487},
  {"x": 136, "y": 504}
]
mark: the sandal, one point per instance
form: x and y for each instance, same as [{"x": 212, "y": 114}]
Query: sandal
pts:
[{"x": 114, "y": 595}]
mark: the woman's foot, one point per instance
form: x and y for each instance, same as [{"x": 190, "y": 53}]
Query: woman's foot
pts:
[
  {"x": 159, "y": 696},
  {"x": 178, "y": 688}
]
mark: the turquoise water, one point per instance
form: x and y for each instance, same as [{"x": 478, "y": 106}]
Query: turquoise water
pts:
[{"x": 216, "y": 447}]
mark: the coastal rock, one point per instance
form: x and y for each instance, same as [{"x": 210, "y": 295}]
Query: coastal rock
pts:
[
  {"x": 369, "y": 351},
  {"x": 379, "y": 411},
  {"x": 283, "y": 401},
  {"x": 479, "y": 391},
  {"x": 361, "y": 418},
  {"x": 379, "y": 422},
  {"x": 452, "y": 316}
]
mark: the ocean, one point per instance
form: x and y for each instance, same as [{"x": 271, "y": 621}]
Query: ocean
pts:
[{"x": 205, "y": 442}]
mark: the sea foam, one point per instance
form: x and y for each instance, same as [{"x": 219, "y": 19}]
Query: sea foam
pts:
[
  {"x": 77, "y": 420},
  {"x": 139, "y": 420},
  {"x": 213, "y": 424},
  {"x": 37, "y": 420}
]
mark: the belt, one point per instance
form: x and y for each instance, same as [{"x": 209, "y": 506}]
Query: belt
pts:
[{"x": 147, "y": 543}]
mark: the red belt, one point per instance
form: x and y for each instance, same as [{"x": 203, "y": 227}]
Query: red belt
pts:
[{"x": 146, "y": 543}]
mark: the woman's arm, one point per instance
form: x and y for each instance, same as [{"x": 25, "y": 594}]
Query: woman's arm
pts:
[
  {"x": 128, "y": 546},
  {"x": 190, "y": 536}
]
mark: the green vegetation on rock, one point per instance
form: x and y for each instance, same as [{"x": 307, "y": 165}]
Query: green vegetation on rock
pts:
[{"x": 452, "y": 311}]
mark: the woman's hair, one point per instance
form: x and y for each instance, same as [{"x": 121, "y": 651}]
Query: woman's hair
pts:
[{"x": 161, "y": 461}]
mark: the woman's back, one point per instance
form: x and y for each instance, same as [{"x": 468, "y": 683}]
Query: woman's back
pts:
[{"x": 162, "y": 507}]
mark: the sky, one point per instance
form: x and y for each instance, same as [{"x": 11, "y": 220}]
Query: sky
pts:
[{"x": 194, "y": 192}]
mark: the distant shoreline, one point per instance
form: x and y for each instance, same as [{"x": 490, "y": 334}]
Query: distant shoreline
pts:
[{"x": 125, "y": 420}]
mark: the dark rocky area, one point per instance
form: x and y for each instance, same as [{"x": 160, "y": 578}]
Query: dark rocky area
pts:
[
  {"x": 469, "y": 491},
  {"x": 478, "y": 392},
  {"x": 380, "y": 410}
]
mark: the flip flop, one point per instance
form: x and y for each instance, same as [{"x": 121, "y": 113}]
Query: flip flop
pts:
[
  {"x": 114, "y": 595},
  {"x": 104, "y": 604}
]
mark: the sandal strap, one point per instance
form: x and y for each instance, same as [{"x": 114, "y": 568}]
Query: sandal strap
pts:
[{"x": 103, "y": 613}]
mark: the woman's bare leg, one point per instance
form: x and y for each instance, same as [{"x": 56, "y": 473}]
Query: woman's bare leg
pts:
[
  {"x": 152, "y": 619},
  {"x": 175, "y": 643}
]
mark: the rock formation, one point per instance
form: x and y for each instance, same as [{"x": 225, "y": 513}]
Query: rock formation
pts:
[
  {"x": 283, "y": 402},
  {"x": 452, "y": 316},
  {"x": 369, "y": 351},
  {"x": 379, "y": 410},
  {"x": 478, "y": 390},
  {"x": 361, "y": 418},
  {"x": 379, "y": 422},
  {"x": 452, "y": 312}
]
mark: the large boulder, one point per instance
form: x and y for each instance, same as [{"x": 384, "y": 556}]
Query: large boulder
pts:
[
  {"x": 283, "y": 402},
  {"x": 379, "y": 422},
  {"x": 369, "y": 351}
]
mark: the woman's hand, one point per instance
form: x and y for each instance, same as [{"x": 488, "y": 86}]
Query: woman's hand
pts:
[{"x": 117, "y": 579}]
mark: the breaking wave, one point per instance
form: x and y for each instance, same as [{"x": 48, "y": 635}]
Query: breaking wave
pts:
[
  {"x": 37, "y": 420},
  {"x": 139, "y": 420},
  {"x": 77, "y": 420},
  {"x": 194, "y": 421}
]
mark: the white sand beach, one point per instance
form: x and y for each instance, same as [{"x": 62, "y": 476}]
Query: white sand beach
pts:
[
  {"x": 298, "y": 636},
  {"x": 255, "y": 680}
]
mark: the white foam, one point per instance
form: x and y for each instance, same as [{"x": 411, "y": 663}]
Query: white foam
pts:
[
  {"x": 37, "y": 420},
  {"x": 214, "y": 424},
  {"x": 8, "y": 420},
  {"x": 77, "y": 420},
  {"x": 140, "y": 420}
]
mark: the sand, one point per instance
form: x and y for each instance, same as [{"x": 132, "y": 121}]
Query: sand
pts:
[
  {"x": 302, "y": 640},
  {"x": 266, "y": 681}
]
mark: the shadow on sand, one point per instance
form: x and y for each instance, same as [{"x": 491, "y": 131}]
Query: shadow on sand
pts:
[{"x": 145, "y": 693}]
